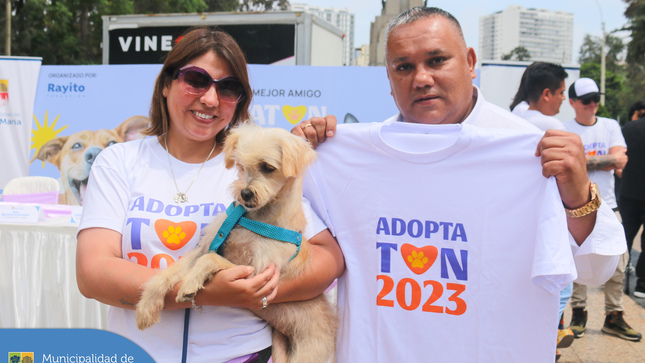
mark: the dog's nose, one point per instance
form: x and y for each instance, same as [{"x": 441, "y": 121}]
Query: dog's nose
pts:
[
  {"x": 91, "y": 154},
  {"x": 246, "y": 194}
]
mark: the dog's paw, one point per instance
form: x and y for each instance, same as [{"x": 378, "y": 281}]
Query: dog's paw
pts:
[
  {"x": 187, "y": 291},
  {"x": 185, "y": 297},
  {"x": 148, "y": 312}
]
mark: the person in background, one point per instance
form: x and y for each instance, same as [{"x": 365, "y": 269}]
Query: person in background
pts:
[
  {"x": 148, "y": 200},
  {"x": 544, "y": 92},
  {"x": 631, "y": 201},
  {"x": 606, "y": 151},
  {"x": 543, "y": 87}
]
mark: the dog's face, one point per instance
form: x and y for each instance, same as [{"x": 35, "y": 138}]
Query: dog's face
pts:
[
  {"x": 74, "y": 155},
  {"x": 267, "y": 160}
]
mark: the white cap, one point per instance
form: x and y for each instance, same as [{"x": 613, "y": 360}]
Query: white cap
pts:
[{"x": 583, "y": 87}]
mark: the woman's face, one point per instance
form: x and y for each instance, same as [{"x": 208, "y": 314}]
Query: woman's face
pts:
[{"x": 199, "y": 118}]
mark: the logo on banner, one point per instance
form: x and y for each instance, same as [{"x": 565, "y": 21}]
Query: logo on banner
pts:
[
  {"x": 294, "y": 114},
  {"x": 4, "y": 92},
  {"x": 21, "y": 357}
]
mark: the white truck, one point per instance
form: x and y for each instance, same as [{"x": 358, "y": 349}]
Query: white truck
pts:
[{"x": 276, "y": 37}]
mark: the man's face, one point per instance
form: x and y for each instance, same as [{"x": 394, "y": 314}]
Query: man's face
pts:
[
  {"x": 554, "y": 101},
  {"x": 430, "y": 71},
  {"x": 582, "y": 110}
]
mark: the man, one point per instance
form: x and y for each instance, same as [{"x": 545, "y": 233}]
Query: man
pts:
[
  {"x": 543, "y": 87},
  {"x": 545, "y": 92},
  {"x": 606, "y": 152},
  {"x": 631, "y": 201},
  {"x": 382, "y": 201}
]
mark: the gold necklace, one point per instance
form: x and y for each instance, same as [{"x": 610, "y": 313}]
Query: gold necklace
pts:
[{"x": 181, "y": 197}]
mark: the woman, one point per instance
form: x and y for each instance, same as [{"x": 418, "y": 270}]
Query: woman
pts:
[{"x": 148, "y": 200}]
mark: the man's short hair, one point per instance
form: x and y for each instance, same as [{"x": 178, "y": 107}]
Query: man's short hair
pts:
[
  {"x": 638, "y": 106},
  {"x": 418, "y": 13},
  {"x": 543, "y": 75}
]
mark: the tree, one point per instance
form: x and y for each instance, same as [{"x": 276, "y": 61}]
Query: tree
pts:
[
  {"x": 635, "y": 12},
  {"x": 518, "y": 53},
  {"x": 591, "y": 51}
]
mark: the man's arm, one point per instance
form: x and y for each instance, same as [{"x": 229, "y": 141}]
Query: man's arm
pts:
[
  {"x": 563, "y": 157},
  {"x": 615, "y": 160}
]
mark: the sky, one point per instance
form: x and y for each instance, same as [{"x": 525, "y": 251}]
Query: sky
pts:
[{"x": 587, "y": 15}]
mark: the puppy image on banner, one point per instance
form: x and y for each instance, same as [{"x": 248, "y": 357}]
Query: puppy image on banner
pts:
[
  {"x": 270, "y": 164},
  {"x": 74, "y": 155}
]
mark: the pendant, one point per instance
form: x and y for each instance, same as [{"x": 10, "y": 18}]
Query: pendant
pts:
[{"x": 180, "y": 198}]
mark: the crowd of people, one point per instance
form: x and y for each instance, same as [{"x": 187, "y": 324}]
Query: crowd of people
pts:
[{"x": 453, "y": 222}]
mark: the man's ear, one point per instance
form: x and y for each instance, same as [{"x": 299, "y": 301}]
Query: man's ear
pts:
[
  {"x": 471, "y": 57},
  {"x": 546, "y": 94}
]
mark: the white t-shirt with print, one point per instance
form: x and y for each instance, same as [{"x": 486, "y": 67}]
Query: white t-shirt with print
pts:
[
  {"x": 452, "y": 239},
  {"x": 597, "y": 140},
  {"x": 131, "y": 191}
]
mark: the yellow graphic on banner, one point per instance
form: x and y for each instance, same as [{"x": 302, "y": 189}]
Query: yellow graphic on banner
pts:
[{"x": 43, "y": 133}]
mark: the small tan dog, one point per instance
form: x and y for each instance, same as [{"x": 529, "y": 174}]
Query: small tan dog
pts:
[
  {"x": 74, "y": 155},
  {"x": 270, "y": 165}
]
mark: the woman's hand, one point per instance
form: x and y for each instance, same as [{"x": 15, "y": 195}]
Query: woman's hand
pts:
[{"x": 231, "y": 287}]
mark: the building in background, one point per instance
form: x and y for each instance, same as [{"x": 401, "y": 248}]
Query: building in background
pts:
[
  {"x": 362, "y": 55},
  {"x": 546, "y": 34},
  {"x": 342, "y": 19},
  {"x": 391, "y": 8}
]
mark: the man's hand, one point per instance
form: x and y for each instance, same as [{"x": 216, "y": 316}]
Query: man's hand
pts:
[
  {"x": 563, "y": 156},
  {"x": 317, "y": 129}
]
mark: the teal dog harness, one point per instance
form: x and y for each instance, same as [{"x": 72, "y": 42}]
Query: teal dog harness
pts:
[{"x": 235, "y": 216}]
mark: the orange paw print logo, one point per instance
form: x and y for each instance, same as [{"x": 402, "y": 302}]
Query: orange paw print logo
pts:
[
  {"x": 418, "y": 259},
  {"x": 294, "y": 114},
  {"x": 175, "y": 235}
]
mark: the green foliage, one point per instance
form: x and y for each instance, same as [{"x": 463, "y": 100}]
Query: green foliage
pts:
[
  {"x": 613, "y": 90},
  {"x": 518, "y": 54},
  {"x": 591, "y": 51},
  {"x": 635, "y": 12}
]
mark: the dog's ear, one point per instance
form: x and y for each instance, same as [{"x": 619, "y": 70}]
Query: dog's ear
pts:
[
  {"x": 131, "y": 128},
  {"x": 229, "y": 146},
  {"x": 50, "y": 150},
  {"x": 297, "y": 154}
]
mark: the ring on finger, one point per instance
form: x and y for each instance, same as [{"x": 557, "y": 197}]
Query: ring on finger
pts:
[
  {"x": 265, "y": 303},
  {"x": 307, "y": 125}
]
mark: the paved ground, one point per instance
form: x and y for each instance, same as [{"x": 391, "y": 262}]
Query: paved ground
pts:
[{"x": 598, "y": 347}]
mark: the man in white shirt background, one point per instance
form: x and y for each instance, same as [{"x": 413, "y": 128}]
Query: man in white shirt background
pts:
[{"x": 606, "y": 152}]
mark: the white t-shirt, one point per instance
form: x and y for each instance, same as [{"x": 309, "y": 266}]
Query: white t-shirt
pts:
[
  {"x": 597, "y": 257},
  {"x": 542, "y": 121},
  {"x": 520, "y": 109},
  {"x": 452, "y": 239},
  {"x": 131, "y": 191},
  {"x": 597, "y": 140}
]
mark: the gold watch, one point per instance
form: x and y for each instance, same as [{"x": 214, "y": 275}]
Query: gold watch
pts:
[{"x": 588, "y": 208}]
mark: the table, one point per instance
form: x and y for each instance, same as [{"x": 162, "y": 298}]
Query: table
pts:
[{"x": 38, "y": 280}]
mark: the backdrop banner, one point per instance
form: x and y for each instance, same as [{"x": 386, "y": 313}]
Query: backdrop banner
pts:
[
  {"x": 18, "y": 80},
  {"x": 80, "y": 110}
]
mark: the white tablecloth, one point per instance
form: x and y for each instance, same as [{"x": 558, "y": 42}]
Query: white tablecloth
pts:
[{"x": 38, "y": 280}]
